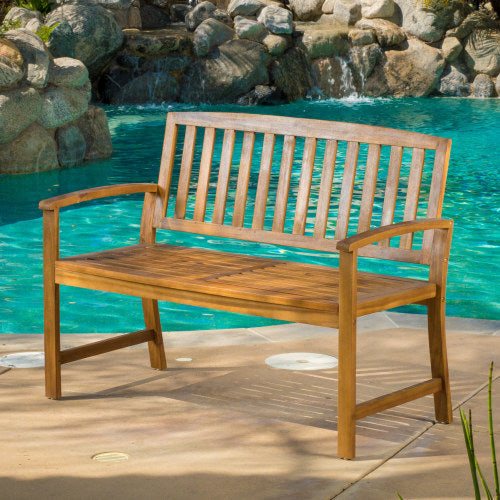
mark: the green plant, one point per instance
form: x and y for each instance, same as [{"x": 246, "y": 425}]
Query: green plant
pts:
[
  {"x": 44, "y": 32},
  {"x": 9, "y": 24},
  {"x": 469, "y": 444},
  {"x": 43, "y": 6}
]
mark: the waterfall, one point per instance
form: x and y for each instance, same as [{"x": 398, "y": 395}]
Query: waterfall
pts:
[
  {"x": 346, "y": 77},
  {"x": 334, "y": 77}
]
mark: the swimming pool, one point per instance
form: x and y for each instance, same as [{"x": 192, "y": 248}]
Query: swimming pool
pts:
[{"x": 137, "y": 131}]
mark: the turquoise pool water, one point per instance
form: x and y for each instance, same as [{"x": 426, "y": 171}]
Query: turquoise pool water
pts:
[{"x": 471, "y": 199}]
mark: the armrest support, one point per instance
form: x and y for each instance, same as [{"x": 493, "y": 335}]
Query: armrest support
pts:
[
  {"x": 381, "y": 233},
  {"x": 94, "y": 193}
]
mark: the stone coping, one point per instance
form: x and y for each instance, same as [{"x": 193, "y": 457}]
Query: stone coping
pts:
[{"x": 265, "y": 334}]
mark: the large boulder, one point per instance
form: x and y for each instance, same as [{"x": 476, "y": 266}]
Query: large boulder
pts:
[
  {"x": 35, "y": 55},
  {"x": 9, "y": 50},
  {"x": 202, "y": 11},
  {"x": 347, "y": 11},
  {"x": 10, "y": 72},
  {"x": 24, "y": 16},
  {"x": 209, "y": 34},
  {"x": 388, "y": 34},
  {"x": 324, "y": 40},
  {"x": 150, "y": 87},
  {"x": 248, "y": 28},
  {"x": 413, "y": 72},
  {"x": 451, "y": 48},
  {"x": 477, "y": 20},
  {"x": 97, "y": 34},
  {"x": 327, "y": 7},
  {"x": 33, "y": 150},
  {"x": 67, "y": 72},
  {"x": 429, "y": 23},
  {"x": 244, "y": 7},
  {"x": 70, "y": 146},
  {"x": 276, "y": 44},
  {"x": 276, "y": 19},
  {"x": 363, "y": 60},
  {"x": 483, "y": 86},
  {"x": 454, "y": 82},
  {"x": 306, "y": 10},
  {"x": 62, "y": 105},
  {"x": 360, "y": 37},
  {"x": 229, "y": 72},
  {"x": 291, "y": 74},
  {"x": 18, "y": 108},
  {"x": 62, "y": 41},
  {"x": 371, "y": 9},
  {"x": 93, "y": 124},
  {"x": 157, "y": 43},
  {"x": 482, "y": 52}
]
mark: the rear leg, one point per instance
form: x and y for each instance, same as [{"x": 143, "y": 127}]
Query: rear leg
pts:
[{"x": 152, "y": 322}]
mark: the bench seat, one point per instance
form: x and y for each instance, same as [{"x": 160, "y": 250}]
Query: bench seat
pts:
[{"x": 257, "y": 282}]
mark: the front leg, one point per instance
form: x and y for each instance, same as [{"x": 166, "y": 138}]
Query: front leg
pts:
[{"x": 347, "y": 356}]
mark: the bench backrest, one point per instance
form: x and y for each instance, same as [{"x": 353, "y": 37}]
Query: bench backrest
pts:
[{"x": 332, "y": 179}]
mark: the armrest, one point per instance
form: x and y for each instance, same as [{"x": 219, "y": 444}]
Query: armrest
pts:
[
  {"x": 94, "y": 193},
  {"x": 392, "y": 230}
]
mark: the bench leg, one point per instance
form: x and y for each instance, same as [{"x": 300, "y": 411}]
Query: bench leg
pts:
[
  {"x": 347, "y": 391},
  {"x": 152, "y": 322},
  {"x": 52, "y": 343},
  {"x": 439, "y": 361}
]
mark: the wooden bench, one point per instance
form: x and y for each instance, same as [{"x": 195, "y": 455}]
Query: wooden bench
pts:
[{"x": 320, "y": 185}]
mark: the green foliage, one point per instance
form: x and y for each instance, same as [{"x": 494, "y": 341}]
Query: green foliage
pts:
[
  {"x": 43, "y": 6},
  {"x": 44, "y": 31},
  {"x": 469, "y": 445},
  {"x": 9, "y": 24}
]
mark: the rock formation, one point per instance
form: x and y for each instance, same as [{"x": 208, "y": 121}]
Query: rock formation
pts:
[
  {"x": 226, "y": 51},
  {"x": 45, "y": 118}
]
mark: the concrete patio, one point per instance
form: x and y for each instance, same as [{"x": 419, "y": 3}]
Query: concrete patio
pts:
[{"x": 227, "y": 426}]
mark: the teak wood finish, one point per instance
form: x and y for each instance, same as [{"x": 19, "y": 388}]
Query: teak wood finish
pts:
[{"x": 273, "y": 288}]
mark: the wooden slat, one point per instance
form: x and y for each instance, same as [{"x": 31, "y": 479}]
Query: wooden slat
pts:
[
  {"x": 259, "y": 213},
  {"x": 240, "y": 200},
  {"x": 223, "y": 177},
  {"x": 166, "y": 166},
  {"x": 243, "y": 306},
  {"x": 207, "y": 153},
  {"x": 106, "y": 345},
  {"x": 436, "y": 194},
  {"x": 284, "y": 183},
  {"x": 391, "y": 189},
  {"x": 185, "y": 172},
  {"x": 303, "y": 195},
  {"x": 286, "y": 239},
  {"x": 306, "y": 127},
  {"x": 369, "y": 186},
  {"x": 345, "y": 200},
  {"x": 398, "y": 397},
  {"x": 413, "y": 193},
  {"x": 325, "y": 189}
]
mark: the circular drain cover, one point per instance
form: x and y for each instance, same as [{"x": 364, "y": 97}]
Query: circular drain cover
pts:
[
  {"x": 110, "y": 456},
  {"x": 23, "y": 360},
  {"x": 302, "y": 361}
]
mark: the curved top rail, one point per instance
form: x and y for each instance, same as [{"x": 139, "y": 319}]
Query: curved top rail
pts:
[{"x": 307, "y": 127}]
